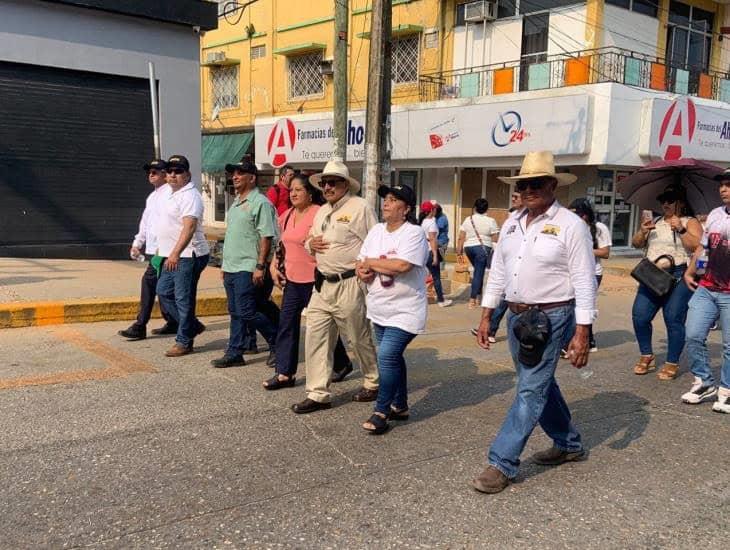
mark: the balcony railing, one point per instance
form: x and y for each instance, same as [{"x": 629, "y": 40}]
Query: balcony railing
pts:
[{"x": 574, "y": 69}]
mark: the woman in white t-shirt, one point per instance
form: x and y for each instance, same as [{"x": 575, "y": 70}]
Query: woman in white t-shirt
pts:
[
  {"x": 601, "y": 247},
  {"x": 475, "y": 238},
  {"x": 392, "y": 262},
  {"x": 427, "y": 221}
]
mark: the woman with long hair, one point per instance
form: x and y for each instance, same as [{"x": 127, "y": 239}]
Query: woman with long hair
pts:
[
  {"x": 392, "y": 263},
  {"x": 427, "y": 221},
  {"x": 296, "y": 277},
  {"x": 677, "y": 234},
  {"x": 476, "y": 238}
]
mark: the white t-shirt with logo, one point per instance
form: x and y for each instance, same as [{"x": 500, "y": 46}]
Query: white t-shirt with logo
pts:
[
  {"x": 486, "y": 227},
  {"x": 603, "y": 236},
  {"x": 404, "y": 303},
  {"x": 173, "y": 207}
]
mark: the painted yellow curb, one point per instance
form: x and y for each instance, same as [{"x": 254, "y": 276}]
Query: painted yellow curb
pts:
[{"x": 29, "y": 314}]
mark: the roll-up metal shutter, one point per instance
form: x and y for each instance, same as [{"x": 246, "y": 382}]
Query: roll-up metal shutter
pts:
[{"x": 72, "y": 144}]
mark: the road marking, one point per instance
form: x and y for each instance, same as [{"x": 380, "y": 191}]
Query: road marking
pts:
[{"x": 120, "y": 364}]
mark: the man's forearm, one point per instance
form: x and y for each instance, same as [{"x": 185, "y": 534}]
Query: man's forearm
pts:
[{"x": 264, "y": 250}]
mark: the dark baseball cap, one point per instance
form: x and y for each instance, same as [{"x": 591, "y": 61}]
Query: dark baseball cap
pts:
[
  {"x": 672, "y": 193},
  {"x": 178, "y": 161},
  {"x": 723, "y": 176},
  {"x": 402, "y": 192},
  {"x": 245, "y": 166},
  {"x": 156, "y": 164},
  {"x": 532, "y": 330}
]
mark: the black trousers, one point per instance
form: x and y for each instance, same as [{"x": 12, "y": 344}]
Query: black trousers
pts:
[
  {"x": 296, "y": 297},
  {"x": 147, "y": 298}
]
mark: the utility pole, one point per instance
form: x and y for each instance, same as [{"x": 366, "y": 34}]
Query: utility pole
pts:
[
  {"x": 377, "y": 125},
  {"x": 340, "y": 77}
]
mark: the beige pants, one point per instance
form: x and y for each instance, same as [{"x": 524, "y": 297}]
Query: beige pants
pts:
[{"x": 338, "y": 306}]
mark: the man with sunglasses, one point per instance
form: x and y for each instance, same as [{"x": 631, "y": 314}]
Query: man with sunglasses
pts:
[
  {"x": 145, "y": 238},
  {"x": 545, "y": 269},
  {"x": 182, "y": 244},
  {"x": 338, "y": 301}
]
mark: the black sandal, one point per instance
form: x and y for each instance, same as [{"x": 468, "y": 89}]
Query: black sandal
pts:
[
  {"x": 380, "y": 423},
  {"x": 274, "y": 383},
  {"x": 396, "y": 414}
]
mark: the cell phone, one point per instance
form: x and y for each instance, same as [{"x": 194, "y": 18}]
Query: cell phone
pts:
[{"x": 647, "y": 215}]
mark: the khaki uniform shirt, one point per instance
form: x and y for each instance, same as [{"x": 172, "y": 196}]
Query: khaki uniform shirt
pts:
[{"x": 344, "y": 226}]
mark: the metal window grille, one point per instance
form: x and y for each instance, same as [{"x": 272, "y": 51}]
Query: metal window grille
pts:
[
  {"x": 305, "y": 77},
  {"x": 224, "y": 83},
  {"x": 257, "y": 52},
  {"x": 405, "y": 59}
]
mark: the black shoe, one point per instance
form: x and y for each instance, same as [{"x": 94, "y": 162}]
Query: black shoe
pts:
[
  {"x": 228, "y": 361},
  {"x": 340, "y": 375},
  {"x": 271, "y": 359},
  {"x": 134, "y": 332},
  {"x": 252, "y": 351},
  {"x": 200, "y": 329},
  {"x": 167, "y": 328},
  {"x": 310, "y": 406}
]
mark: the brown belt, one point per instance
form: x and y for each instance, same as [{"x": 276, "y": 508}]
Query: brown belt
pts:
[{"x": 521, "y": 308}]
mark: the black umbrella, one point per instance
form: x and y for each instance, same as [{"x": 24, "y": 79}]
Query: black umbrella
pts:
[{"x": 696, "y": 176}]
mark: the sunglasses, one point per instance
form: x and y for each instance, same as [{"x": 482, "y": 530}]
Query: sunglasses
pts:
[
  {"x": 176, "y": 171},
  {"x": 535, "y": 185},
  {"x": 331, "y": 182},
  {"x": 155, "y": 172}
]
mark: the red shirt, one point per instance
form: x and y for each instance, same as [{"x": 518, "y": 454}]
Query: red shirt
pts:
[{"x": 279, "y": 196}]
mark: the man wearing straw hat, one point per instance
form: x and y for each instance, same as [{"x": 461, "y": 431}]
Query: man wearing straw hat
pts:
[
  {"x": 338, "y": 301},
  {"x": 544, "y": 267}
]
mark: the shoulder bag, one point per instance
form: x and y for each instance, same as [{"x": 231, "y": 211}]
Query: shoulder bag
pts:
[
  {"x": 280, "y": 252},
  {"x": 653, "y": 277}
]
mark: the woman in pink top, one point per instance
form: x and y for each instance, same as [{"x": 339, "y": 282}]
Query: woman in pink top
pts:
[{"x": 297, "y": 280}]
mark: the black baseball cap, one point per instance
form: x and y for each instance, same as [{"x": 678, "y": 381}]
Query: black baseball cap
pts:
[
  {"x": 155, "y": 164},
  {"x": 532, "y": 330},
  {"x": 402, "y": 192},
  {"x": 178, "y": 161},
  {"x": 672, "y": 193},
  {"x": 723, "y": 176},
  {"x": 245, "y": 166}
]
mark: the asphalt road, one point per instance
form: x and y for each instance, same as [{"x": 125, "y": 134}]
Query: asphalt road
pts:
[{"x": 107, "y": 443}]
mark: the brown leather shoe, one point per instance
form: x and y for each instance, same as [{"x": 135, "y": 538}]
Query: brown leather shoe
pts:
[
  {"x": 365, "y": 395},
  {"x": 178, "y": 350},
  {"x": 556, "y": 457},
  {"x": 490, "y": 481}
]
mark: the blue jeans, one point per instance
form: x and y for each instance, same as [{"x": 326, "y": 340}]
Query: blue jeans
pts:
[
  {"x": 497, "y": 315},
  {"x": 393, "y": 390},
  {"x": 263, "y": 305},
  {"x": 241, "y": 295},
  {"x": 435, "y": 271},
  {"x": 704, "y": 307},
  {"x": 538, "y": 398},
  {"x": 674, "y": 307},
  {"x": 481, "y": 258},
  {"x": 177, "y": 291}
]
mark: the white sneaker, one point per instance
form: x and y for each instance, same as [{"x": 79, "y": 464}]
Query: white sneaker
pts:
[
  {"x": 446, "y": 303},
  {"x": 699, "y": 393},
  {"x": 492, "y": 339},
  {"x": 722, "y": 405},
  {"x": 594, "y": 349}
]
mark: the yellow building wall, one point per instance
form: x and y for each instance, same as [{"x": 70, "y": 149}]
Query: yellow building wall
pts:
[{"x": 277, "y": 24}]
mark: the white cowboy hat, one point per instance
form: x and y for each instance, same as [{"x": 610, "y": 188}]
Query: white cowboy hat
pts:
[
  {"x": 335, "y": 168},
  {"x": 540, "y": 164}
]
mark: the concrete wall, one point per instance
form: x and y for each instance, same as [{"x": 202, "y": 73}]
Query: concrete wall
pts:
[
  {"x": 52, "y": 35},
  {"x": 478, "y": 44},
  {"x": 567, "y": 30},
  {"x": 629, "y": 30}
]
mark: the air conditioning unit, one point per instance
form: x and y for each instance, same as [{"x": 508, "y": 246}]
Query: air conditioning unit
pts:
[
  {"x": 326, "y": 67},
  {"x": 215, "y": 57},
  {"x": 482, "y": 10}
]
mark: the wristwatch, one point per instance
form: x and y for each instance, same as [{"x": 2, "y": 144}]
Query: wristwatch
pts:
[{"x": 261, "y": 267}]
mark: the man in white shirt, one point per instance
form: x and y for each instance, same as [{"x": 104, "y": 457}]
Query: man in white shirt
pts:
[
  {"x": 544, "y": 268},
  {"x": 145, "y": 238},
  {"x": 181, "y": 241}
]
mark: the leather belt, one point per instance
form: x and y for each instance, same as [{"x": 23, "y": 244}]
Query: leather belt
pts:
[
  {"x": 521, "y": 308},
  {"x": 337, "y": 277}
]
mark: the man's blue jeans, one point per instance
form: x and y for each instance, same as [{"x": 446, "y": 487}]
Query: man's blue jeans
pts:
[
  {"x": 241, "y": 295},
  {"x": 481, "y": 258},
  {"x": 393, "y": 389},
  {"x": 673, "y": 306},
  {"x": 538, "y": 398},
  {"x": 704, "y": 307},
  {"x": 177, "y": 291}
]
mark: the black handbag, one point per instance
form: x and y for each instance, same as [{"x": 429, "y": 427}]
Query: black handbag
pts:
[{"x": 653, "y": 277}]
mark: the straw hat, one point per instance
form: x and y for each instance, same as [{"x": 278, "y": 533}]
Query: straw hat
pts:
[
  {"x": 540, "y": 164},
  {"x": 335, "y": 168}
]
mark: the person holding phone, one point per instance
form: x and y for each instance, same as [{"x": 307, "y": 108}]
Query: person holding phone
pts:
[{"x": 677, "y": 234}]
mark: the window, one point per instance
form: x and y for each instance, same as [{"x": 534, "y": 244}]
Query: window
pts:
[
  {"x": 459, "y": 19},
  {"x": 646, "y": 7},
  {"x": 257, "y": 52},
  {"x": 305, "y": 78},
  {"x": 404, "y": 60},
  {"x": 534, "y": 51},
  {"x": 224, "y": 83},
  {"x": 431, "y": 40},
  {"x": 226, "y": 6},
  {"x": 689, "y": 37}
]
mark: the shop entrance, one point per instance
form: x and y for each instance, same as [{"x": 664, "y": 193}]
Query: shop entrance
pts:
[{"x": 611, "y": 209}]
